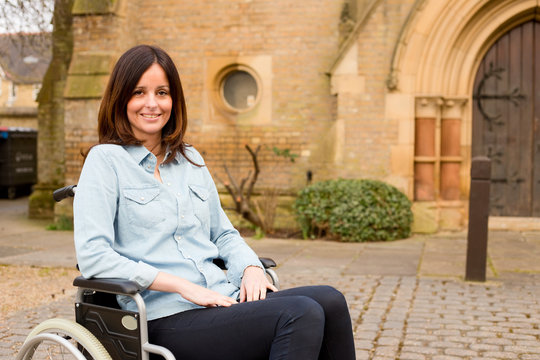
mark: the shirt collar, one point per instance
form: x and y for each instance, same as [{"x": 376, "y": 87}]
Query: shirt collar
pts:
[
  {"x": 178, "y": 157},
  {"x": 137, "y": 152},
  {"x": 168, "y": 154}
]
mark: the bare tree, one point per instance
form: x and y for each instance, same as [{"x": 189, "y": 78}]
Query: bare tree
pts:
[
  {"x": 259, "y": 212},
  {"x": 242, "y": 195},
  {"x": 20, "y": 19},
  {"x": 26, "y": 16}
]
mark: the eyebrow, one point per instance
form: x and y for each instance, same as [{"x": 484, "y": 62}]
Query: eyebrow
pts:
[{"x": 158, "y": 87}]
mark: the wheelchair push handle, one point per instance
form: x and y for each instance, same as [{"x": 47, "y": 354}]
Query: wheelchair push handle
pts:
[{"x": 65, "y": 192}]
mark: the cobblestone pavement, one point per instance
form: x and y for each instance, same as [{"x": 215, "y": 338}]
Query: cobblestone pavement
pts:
[
  {"x": 407, "y": 298},
  {"x": 397, "y": 317}
]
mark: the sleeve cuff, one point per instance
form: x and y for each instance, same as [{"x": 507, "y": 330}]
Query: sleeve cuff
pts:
[{"x": 144, "y": 274}]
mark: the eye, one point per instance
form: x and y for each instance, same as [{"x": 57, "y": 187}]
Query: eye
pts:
[
  {"x": 163, "y": 93},
  {"x": 138, "y": 92}
]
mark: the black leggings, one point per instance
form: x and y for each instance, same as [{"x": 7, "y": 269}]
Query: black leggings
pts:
[{"x": 306, "y": 323}]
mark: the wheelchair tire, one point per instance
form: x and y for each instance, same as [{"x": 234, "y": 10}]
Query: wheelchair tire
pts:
[{"x": 80, "y": 337}]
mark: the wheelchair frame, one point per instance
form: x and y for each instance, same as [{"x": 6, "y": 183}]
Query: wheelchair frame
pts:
[{"x": 102, "y": 330}]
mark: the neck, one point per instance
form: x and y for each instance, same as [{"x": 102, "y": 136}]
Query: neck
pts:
[{"x": 153, "y": 147}]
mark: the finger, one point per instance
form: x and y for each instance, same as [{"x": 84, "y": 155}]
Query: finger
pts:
[
  {"x": 263, "y": 294},
  {"x": 225, "y": 301},
  {"x": 272, "y": 287},
  {"x": 242, "y": 292},
  {"x": 249, "y": 294},
  {"x": 231, "y": 301},
  {"x": 255, "y": 294}
]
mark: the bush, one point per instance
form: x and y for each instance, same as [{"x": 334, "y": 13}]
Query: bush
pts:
[{"x": 354, "y": 210}]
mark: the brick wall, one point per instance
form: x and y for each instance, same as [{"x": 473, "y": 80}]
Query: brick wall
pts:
[{"x": 301, "y": 37}]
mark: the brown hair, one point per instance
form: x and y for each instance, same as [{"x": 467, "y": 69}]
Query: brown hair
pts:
[{"x": 113, "y": 123}]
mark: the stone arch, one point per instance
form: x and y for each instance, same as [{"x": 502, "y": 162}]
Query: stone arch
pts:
[
  {"x": 434, "y": 64},
  {"x": 442, "y": 42}
]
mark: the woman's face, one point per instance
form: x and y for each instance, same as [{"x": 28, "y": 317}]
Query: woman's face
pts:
[{"x": 150, "y": 105}]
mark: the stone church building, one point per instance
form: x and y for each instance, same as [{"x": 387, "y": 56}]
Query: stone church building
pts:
[{"x": 405, "y": 91}]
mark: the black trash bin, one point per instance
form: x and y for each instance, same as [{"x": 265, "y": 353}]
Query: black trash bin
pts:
[{"x": 18, "y": 160}]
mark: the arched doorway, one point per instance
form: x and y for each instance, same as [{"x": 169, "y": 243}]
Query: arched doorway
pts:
[{"x": 506, "y": 120}]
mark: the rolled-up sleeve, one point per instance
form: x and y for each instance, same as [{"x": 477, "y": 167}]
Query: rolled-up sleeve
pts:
[{"x": 95, "y": 208}]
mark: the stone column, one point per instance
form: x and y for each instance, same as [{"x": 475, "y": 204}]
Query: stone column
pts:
[
  {"x": 96, "y": 26},
  {"x": 451, "y": 159},
  {"x": 426, "y": 148}
]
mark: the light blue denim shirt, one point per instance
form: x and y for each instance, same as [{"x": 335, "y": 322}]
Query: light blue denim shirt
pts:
[{"x": 129, "y": 225}]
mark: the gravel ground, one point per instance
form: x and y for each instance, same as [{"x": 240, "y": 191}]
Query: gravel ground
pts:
[{"x": 25, "y": 287}]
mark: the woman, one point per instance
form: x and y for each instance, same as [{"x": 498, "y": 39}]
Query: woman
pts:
[{"x": 147, "y": 210}]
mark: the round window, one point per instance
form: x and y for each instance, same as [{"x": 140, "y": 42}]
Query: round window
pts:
[{"x": 239, "y": 89}]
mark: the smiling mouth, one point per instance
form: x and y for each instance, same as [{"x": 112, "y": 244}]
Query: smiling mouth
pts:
[{"x": 151, "y": 116}]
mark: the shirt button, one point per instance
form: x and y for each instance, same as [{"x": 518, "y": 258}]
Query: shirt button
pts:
[
  {"x": 182, "y": 216},
  {"x": 178, "y": 194},
  {"x": 178, "y": 238},
  {"x": 169, "y": 184},
  {"x": 142, "y": 198}
]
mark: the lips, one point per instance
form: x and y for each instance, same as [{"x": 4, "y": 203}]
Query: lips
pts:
[{"x": 151, "y": 116}]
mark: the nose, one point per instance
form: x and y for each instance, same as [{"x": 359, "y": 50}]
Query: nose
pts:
[{"x": 151, "y": 101}]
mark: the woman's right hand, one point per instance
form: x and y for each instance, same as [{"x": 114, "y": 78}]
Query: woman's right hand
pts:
[
  {"x": 192, "y": 292},
  {"x": 205, "y": 297}
]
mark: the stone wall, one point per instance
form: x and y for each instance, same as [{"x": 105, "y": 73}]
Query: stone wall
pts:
[{"x": 289, "y": 45}]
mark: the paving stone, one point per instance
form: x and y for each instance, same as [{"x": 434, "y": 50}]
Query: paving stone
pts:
[
  {"x": 363, "y": 344},
  {"x": 523, "y": 349},
  {"x": 420, "y": 350},
  {"x": 485, "y": 347},
  {"x": 446, "y": 344},
  {"x": 362, "y": 355},
  {"x": 446, "y": 357},
  {"x": 528, "y": 357},
  {"x": 386, "y": 341},
  {"x": 460, "y": 352},
  {"x": 501, "y": 355},
  {"x": 386, "y": 351},
  {"x": 411, "y": 356}
]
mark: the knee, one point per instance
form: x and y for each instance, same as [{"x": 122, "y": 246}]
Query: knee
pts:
[
  {"x": 332, "y": 298},
  {"x": 305, "y": 310}
]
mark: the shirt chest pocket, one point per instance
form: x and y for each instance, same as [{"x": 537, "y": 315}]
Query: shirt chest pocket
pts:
[
  {"x": 199, "y": 199},
  {"x": 143, "y": 207}
]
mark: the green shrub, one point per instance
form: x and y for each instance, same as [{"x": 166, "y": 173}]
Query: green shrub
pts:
[{"x": 354, "y": 210}]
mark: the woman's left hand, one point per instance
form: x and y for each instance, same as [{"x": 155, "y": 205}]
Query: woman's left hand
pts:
[{"x": 254, "y": 284}]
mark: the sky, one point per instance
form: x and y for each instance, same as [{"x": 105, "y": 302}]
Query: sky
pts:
[{"x": 25, "y": 16}]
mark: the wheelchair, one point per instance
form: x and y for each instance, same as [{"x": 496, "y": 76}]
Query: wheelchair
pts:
[{"x": 101, "y": 330}]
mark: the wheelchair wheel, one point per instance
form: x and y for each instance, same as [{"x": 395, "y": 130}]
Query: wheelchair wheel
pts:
[{"x": 62, "y": 339}]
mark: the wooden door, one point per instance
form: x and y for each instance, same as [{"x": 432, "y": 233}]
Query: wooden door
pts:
[{"x": 506, "y": 116}]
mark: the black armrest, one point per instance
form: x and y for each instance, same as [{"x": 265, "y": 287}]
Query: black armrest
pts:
[
  {"x": 62, "y": 193},
  {"x": 114, "y": 286},
  {"x": 267, "y": 263}
]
